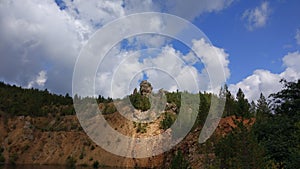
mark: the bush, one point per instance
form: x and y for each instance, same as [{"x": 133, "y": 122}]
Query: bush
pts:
[
  {"x": 96, "y": 164},
  {"x": 81, "y": 156},
  {"x": 140, "y": 102},
  {"x": 141, "y": 128},
  {"x": 167, "y": 121},
  {"x": 109, "y": 108},
  {"x": 71, "y": 162},
  {"x": 2, "y": 159},
  {"x": 13, "y": 158},
  {"x": 179, "y": 162}
]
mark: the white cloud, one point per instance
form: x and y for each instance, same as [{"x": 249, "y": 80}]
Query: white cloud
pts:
[
  {"x": 168, "y": 69},
  {"x": 257, "y": 17},
  {"x": 215, "y": 60},
  {"x": 266, "y": 82},
  {"x": 297, "y": 36},
  {"x": 36, "y": 35},
  {"x": 190, "y": 9},
  {"x": 39, "y": 81},
  {"x": 95, "y": 12}
]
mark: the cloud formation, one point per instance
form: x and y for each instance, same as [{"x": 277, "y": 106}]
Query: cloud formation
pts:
[
  {"x": 39, "y": 81},
  {"x": 190, "y": 9},
  {"x": 266, "y": 82},
  {"x": 165, "y": 68},
  {"x": 257, "y": 17},
  {"x": 42, "y": 36}
]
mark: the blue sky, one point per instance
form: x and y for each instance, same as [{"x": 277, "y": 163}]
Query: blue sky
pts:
[
  {"x": 262, "y": 48},
  {"x": 42, "y": 39}
]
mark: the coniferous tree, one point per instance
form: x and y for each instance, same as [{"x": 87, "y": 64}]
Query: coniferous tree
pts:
[
  {"x": 203, "y": 109},
  {"x": 279, "y": 132},
  {"x": 242, "y": 105},
  {"x": 263, "y": 109},
  {"x": 240, "y": 149},
  {"x": 229, "y": 108},
  {"x": 253, "y": 108}
]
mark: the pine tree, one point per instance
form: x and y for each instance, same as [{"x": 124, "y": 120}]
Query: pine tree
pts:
[
  {"x": 242, "y": 104},
  {"x": 253, "y": 108},
  {"x": 279, "y": 132},
  {"x": 240, "y": 149},
  {"x": 263, "y": 109},
  {"x": 229, "y": 108}
]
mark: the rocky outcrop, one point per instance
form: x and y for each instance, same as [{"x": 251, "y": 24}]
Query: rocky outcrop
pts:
[
  {"x": 145, "y": 88},
  {"x": 171, "y": 107}
]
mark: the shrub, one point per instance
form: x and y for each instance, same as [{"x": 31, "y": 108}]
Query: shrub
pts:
[
  {"x": 71, "y": 162},
  {"x": 141, "y": 128},
  {"x": 167, "y": 121},
  {"x": 2, "y": 159},
  {"x": 13, "y": 158},
  {"x": 96, "y": 164},
  {"x": 179, "y": 162}
]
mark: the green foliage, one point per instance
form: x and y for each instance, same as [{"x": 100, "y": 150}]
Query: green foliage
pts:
[
  {"x": 13, "y": 158},
  {"x": 279, "y": 132},
  {"x": 203, "y": 108},
  {"x": 240, "y": 149},
  {"x": 230, "y": 104},
  {"x": 263, "y": 109},
  {"x": 167, "y": 121},
  {"x": 92, "y": 147},
  {"x": 17, "y": 101},
  {"x": 102, "y": 99},
  {"x": 253, "y": 108},
  {"x": 109, "y": 108},
  {"x": 2, "y": 158},
  {"x": 141, "y": 128},
  {"x": 242, "y": 105},
  {"x": 174, "y": 97},
  {"x": 96, "y": 164},
  {"x": 140, "y": 102},
  {"x": 82, "y": 154},
  {"x": 71, "y": 162},
  {"x": 179, "y": 162}
]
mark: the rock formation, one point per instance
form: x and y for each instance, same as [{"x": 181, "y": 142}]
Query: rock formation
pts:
[{"x": 145, "y": 88}]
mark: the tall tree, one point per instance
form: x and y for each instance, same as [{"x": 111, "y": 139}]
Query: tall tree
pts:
[
  {"x": 229, "y": 108},
  {"x": 242, "y": 104},
  {"x": 280, "y": 132},
  {"x": 253, "y": 108},
  {"x": 240, "y": 149},
  {"x": 263, "y": 109},
  {"x": 203, "y": 108}
]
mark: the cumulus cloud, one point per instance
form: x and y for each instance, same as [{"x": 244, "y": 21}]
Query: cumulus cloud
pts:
[
  {"x": 36, "y": 35},
  {"x": 215, "y": 60},
  {"x": 297, "y": 36},
  {"x": 190, "y": 9},
  {"x": 41, "y": 36},
  {"x": 257, "y": 17},
  {"x": 266, "y": 82},
  {"x": 39, "y": 81},
  {"x": 167, "y": 68}
]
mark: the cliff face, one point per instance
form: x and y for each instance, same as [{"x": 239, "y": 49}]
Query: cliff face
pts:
[
  {"x": 41, "y": 140},
  {"x": 28, "y": 140}
]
